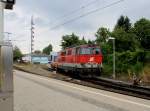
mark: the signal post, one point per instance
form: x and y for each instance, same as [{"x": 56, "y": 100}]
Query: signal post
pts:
[{"x": 6, "y": 63}]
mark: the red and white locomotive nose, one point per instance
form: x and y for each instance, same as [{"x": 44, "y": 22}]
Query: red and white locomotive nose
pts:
[
  {"x": 84, "y": 58},
  {"x": 91, "y": 59}
]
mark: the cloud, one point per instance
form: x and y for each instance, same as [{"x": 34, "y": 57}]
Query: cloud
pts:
[{"x": 48, "y": 14}]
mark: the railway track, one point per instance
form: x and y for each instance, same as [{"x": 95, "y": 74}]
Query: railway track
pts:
[
  {"x": 106, "y": 84},
  {"x": 120, "y": 87},
  {"x": 111, "y": 85}
]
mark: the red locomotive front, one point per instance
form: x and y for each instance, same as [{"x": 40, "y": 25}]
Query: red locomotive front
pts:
[{"x": 83, "y": 60}]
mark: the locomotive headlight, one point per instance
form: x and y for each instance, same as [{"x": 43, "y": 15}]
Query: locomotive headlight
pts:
[{"x": 88, "y": 65}]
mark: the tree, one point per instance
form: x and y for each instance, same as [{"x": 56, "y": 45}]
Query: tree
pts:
[
  {"x": 17, "y": 54},
  {"x": 37, "y": 52},
  {"x": 91, "y": 42},
  {"x": 47, "y": 49},
  {"x": 125, "y": 41},
  {"x": 142, "y": 30},
  {"x": 69, "y": 40},
  {"x": 83, "y": 41},
  {"x": 101, "y": 35},
  {"x": 123, "y": 22}
]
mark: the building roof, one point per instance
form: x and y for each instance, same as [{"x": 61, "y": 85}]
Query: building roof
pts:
[{"x": 37, "y": 55}]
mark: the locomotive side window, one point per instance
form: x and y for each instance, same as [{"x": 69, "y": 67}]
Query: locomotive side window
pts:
[
  {"x": 90, "y": 50},
  {"x": 85, "y": 51},
  {"x": 96, "y": 51},
  {"x": 69, "y": 52}
]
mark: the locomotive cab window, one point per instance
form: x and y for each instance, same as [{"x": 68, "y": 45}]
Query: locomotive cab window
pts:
[{"x": 63, "y": 53}]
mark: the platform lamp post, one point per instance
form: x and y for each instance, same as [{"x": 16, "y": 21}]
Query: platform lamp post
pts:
[{"x": 114, "y": 58}]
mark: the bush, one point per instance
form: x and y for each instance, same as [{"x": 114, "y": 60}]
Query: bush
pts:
[
  {"x": 107, "y": 70},
  {"x": 147, "y": 57},
  {"x": 126, "y": 62}
]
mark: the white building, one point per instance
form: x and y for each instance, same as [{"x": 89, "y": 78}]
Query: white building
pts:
[{"x": 36, "y": 58}]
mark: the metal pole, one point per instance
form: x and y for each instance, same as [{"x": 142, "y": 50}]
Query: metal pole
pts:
[
  {"x": 1, "y": 21},
  {"x": 31, "y": 42},
  {"x": 6, "y": 88},
  {"x": 114, "y": 61},
  {"x": 32, "y": 36}
]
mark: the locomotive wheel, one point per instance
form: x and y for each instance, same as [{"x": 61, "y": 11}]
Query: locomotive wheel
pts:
[{"x": 76, "y": 73}]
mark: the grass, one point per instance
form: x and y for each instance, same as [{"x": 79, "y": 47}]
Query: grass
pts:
[
  {"x": 33, "y": 68},
  {"x": 107, "y": 72},
  {"x": 146, "y": 73},
  {"x": 138, "y": 69}
]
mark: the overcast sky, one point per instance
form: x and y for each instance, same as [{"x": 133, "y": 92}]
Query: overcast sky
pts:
[{"x": 50, "y": 13}]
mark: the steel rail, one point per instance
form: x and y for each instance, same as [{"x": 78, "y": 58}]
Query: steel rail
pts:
[{"x": 121, "y": 87}]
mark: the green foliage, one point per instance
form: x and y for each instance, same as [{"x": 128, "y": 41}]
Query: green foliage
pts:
[
  {"x": 72, "y": 40},
  {"x": 107, "y": 70},
  {"x": 47, "y": 49},
  {"x": 137, "y": 68},
  {"x": 17, "y": 54},
  {"x": 125, "y": 40},
  {"x": 147, "y": 57},
  {"x": 142, "y": 30},
  {"x": 91, "y": 42},
  {"x": 126, "y": 61},
  {"x": 132, "y": 45},
  {"x": 106, "y": 49},
  {"x": 124, "y": 23},
  {"x": 83, "y": 41},
  {"x": 101, "y": 35},
  {"x": 37, "y": 52}
]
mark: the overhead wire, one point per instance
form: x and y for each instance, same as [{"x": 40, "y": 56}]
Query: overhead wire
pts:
[
  {"x": 86, "y": 14},
  {"x": 74, "y": 11}
]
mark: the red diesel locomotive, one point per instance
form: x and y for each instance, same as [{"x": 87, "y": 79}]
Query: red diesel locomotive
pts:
[{"x": 85, "y": 60}]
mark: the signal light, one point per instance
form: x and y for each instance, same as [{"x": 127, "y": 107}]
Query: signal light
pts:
[{"x": 9, "y": 3}]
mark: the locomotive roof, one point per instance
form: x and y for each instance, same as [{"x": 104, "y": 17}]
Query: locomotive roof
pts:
[
  {"x": 77, "y": 46},
  {"x": 85, "y": 45}
]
